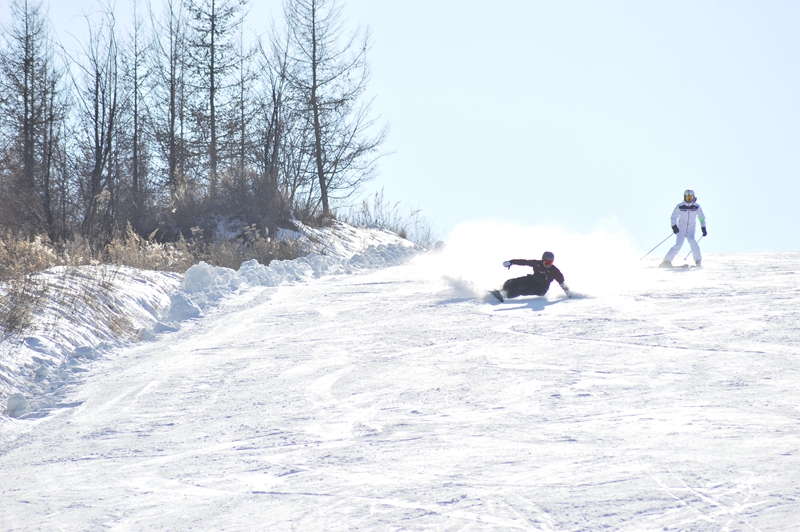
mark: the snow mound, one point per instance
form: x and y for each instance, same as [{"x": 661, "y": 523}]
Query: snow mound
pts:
[
  {"x": 340, "y": 249},
  {"x": 93, "y": 309}
]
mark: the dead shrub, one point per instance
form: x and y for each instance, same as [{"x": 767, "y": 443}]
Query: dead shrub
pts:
[
  {"x": 20, "y": 297},
  {"x": 380, "y": 213},
  {"x": 20, "y": 256},
  {"x": 132, "y": 250},
  {"x": 251, "y": 245}
]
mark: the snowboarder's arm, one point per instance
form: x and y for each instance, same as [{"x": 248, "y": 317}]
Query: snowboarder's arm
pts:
[
  {"x": 523, "y": 262},
  {"x": 565, "y": 288},
  {"x": 557, "y": 276}
]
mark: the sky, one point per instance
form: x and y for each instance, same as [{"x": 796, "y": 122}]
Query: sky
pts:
[
  {"x": 583, "y": 115},
  {"x": 594, "y": 114}
]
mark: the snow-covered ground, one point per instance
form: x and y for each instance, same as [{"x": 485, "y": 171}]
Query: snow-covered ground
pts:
[
  {"x": 90, "y": 310},
  {"x": 402, "y": 398}
]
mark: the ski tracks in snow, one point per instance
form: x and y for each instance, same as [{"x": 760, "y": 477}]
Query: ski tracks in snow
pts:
[{"x": 385, "y": 401}]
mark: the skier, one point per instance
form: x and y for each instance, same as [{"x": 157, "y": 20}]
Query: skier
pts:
[
  {"x": 535, "y": 284},
  {"x": 683, "y": 224}
]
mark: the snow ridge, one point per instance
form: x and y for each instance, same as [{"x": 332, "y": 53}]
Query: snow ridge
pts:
[{"x": 93, "y": 309}]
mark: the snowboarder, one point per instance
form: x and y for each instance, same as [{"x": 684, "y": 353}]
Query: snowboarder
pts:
[
  {"x": 535, "y": 284},
  {"x": 683, "y": 224}
]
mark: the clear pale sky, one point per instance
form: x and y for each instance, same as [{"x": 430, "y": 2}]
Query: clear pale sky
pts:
[{"x": 583, "y": 114}]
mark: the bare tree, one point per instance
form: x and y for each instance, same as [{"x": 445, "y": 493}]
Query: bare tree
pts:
[
  {"x": 271, "y": 145},
  {"x": 168, "y": 105},
  {"x": 240, "y": 120},
  {"x": 180, "y": 126},
  {"x": 214, "y": 25},
  {"x": 137, "y": 77},
  {"x": 329, "y": 79},
  {"x": 99, "y": 112},
  {"x": 33, "y": 111},
  {"x": 137, "y": 131}
]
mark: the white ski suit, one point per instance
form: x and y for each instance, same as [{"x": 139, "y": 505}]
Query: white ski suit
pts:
[{"x": 685, "y": 216}]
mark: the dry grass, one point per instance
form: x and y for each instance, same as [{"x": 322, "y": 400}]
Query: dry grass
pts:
[
  {"x": 232, "y": 253},
  {"x": 19, "y": 298},
  {"x": 21, "y": 259},
  {"x": 20, "y": 256},
  {"x": 382, "y": 214},
  {"x": 20, "y": 292}
]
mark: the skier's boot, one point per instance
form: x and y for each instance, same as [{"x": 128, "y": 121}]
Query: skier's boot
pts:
[
  {"x": 698, "y": 263},
  {"x": 665, "y": 264}
]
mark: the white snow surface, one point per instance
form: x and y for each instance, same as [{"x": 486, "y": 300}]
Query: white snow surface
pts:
[{"x": 403, "y": 398}]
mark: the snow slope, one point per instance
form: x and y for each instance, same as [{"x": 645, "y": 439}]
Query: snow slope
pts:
[{"x": 391, "y": 400}]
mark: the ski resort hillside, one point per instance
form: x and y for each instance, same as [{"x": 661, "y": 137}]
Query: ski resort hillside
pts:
[{"x": 378, "y": 387}]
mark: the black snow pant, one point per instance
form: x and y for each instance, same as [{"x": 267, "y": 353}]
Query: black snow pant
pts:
[{"x": 530, "y": 285}]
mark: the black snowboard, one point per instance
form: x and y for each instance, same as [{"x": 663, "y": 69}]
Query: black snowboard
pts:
[{"x": 497, "y": 294}]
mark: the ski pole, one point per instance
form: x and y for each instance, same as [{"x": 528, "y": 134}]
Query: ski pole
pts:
[
  {"x": 687, "y": 255},
  {"x": 649, "y": 252}
]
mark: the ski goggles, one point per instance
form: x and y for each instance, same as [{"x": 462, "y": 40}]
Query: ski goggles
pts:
[
  {"x": 547, "y": 262},
  {"x": 689, "y": 198}
]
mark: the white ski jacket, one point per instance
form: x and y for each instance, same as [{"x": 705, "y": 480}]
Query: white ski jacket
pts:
[{"x": 685, "y": 216}]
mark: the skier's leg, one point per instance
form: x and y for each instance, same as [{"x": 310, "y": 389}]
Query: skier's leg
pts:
[
  {"x": 523, "y": 286},
  {"x": 673, "y": 251},
  {"x": 537, "y": 286},
  {"x": 534, "y": 285},
  {"x": 512, "y": 287},
  {"x": 695, "y": 248}
]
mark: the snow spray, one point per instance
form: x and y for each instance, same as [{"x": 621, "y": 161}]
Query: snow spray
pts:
[{"x": 593, "y": 264}]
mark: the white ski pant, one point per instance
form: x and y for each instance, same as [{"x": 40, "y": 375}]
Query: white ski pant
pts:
[{"x": 679, "y": 238}]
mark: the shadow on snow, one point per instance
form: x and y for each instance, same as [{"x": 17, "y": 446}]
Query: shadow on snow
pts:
[{"x": 534, "y": 303}]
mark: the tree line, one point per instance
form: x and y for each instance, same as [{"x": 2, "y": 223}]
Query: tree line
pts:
[{"x": 181, "y": 122}]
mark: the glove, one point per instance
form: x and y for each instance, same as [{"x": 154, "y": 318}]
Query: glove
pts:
[
  {"x": 507, "y": 264},
  {"x": 675, "y": 229},
  {"x": 705, "y": 233}
]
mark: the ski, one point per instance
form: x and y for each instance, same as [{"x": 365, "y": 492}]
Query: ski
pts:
[{"x": 682, "y": 267}]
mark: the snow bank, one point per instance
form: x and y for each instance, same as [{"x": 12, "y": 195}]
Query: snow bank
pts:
[
  {"x": 340, "y": 249},
  {"x": 87, "y": 310},
  {"x": 91, "y": 310}
]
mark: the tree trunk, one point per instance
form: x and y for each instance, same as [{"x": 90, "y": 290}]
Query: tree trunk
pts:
[
  {"x": 212, "y": 104},
  {"x": 323, "y": 185}
]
